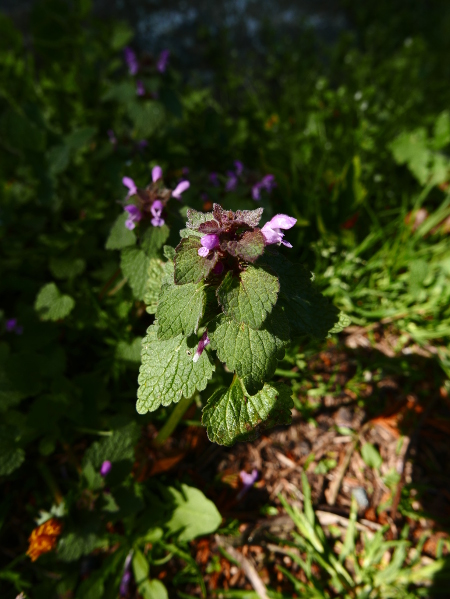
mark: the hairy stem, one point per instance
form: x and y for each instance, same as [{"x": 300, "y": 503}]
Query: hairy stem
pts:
[{"x": 174, "y": 419}]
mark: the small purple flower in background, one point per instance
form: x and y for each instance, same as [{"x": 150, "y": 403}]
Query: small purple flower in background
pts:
[
  {"x": 12, "y": 326},
  {"x": 142, "y": 144},
  {"x": 272, "y": 230},
  {"x": 126, "y": 577},
  {"x": 267, "y": 183},
  {"x": 134, "y": 216},
  {"x": 105, "y": 468},
  {"x": 163, "y": 61},
  {"x": 131, "y": 185},
  {"x": 112, "y": 137},
  {"x": 204, "y": 341},
  {"x": 131, "y": 60},
  {"x": 214, "y": 179},
  {"x": 156, "y": 173},
  {"x": 239, "y": 167},
  {"x": 156, "y": 210},
  {"x": 185, "y": 171},
  {"x": 208, "y": 242},
  {"x": 140, "y": 89},
  {"x": 232, "y": 181},
  {"x": 248, "y": 480},
  {"x": 182, "y": 186}
]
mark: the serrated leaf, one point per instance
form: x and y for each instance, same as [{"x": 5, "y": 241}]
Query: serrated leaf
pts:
[
  {"x": 51, "y": 305},
  {"x": 193, "y": 514},
  {"x": 119, "y": 236},
  {"x": 196, "y": 218},
  {"x": 135, "y": 264},
  {"x": 252, "y": 354},
  {"x": 232, "y": 415},
  {"x": 147, "y": 116},
  {"x": 251, "y": 297},
  {"x": 153, "y": 239},
  {"x": 343, "y": 321},
  {"x": 249, "y": 248},
  {"x": 168, "y": 371},
  {"x": 180, "y": 309},
  {"x": 309, "y": 311},
  {"x": 189, "y": 266}
]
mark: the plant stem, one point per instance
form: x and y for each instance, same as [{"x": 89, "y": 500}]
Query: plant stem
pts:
[{"x": 174, "y": 419}]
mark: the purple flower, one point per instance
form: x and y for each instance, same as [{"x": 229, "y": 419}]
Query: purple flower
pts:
[
  {"x": 156, "y": 210},
  {"x": 142, "y": 144},
  {"x": 248, "y": 480},
  {"x": 268, "y": 183},
  {"x": 208, "y": 242},
  {"x": 163, "y": 61},
  {"x": 185, "y": 171},
  {"x": 112, "y": 137},
  {"x": 232, "y": 181},
  {"x": 105, "y": 468},
  {"x": 132, "y": 189},
  {"x": 204, "y": 341},
  {"x": 134, "y": 216},
  {"x": 272, "y": 230},
  {"x": 11, "y": 324},
  {"x": 239, "y": 167},
  {"x": 214, "y": 179},
  {"x": 182, "y": 186},
  {"x": 131, "y": 60},
  {"x": 126, "y": 577},
  {"x": 140, "y": 89},
  {"x": 156, "y": 173}
]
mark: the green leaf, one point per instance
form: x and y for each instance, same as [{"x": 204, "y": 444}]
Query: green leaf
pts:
[
  {"x": 153, "y": 239},
  {"x": 168, "y": 371},
  {"x": 66, "y": 268},
  {"x": 232, "y": 415},
  {"x": 371, "y": 455},
  {"x": 135, "y": 265},
  {"x": 411, "y": 148},
  {"x": 140, "y": 566},
  {"x": 129, "y": 352},
  {"x": 251, "y": 353},
  {"x": 249, "y": 248},
  {"x": 156, "y": 273},
  {"x": 251, "y": 297},
  {"x": 11, "y": 456},
  {"x": 147, "y": 116},
  {"x": 343, "y": 321},
  {"x": 117, "y": 447},
  {"x": 119, "y": 236},
  {"x": 189, "y": 266},
  {"x": 169, "y": 252},
  {"x": 309, "y": 311},
  {"x": 180, "y": 309},
  {"x": 442, "y": 131},
  {"x": 51, "y": 305},
  {"x": 74, "y": 545},
  {"x": 196, "y": 218},
  {"x": 193, "y": 514}
]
